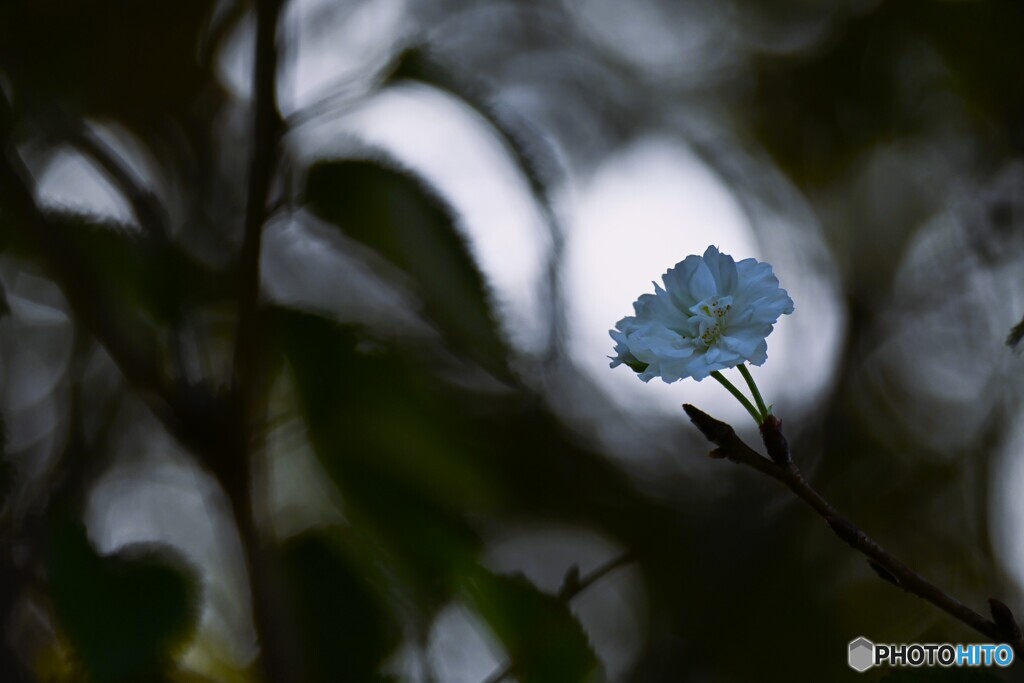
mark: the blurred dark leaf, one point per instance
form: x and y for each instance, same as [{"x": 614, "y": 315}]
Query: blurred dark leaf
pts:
[
  {"x": 980, "y": 42},
  {"x": 159, "y": 279},
  {"x": 402, "y": 458},
  {"x": 380, "y": 415},
  {"x": 818, "y": 111},
  {"x": 401, "y": 217},
  {"x": 374, "y": 407},
  {"x": 126, "y": 614},
  {"x": 417, "y": 64},
  {"x": 544, "y": 640},
  {"x": 347, "y": 628}
]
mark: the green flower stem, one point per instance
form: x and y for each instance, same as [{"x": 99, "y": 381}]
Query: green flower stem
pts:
[
  {"x": 742, "y": 367},
  {"x": 739, "y": 397}
]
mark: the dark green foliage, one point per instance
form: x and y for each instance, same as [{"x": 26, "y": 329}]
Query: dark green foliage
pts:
[
  {"x": 543, "y": 638},
  {"x": 157, "y": 278},
  {"x": 153, "y": 277},
  {"x": 347, "y": 626},
  {"x": 403, "y": 460},
  {"x": 402, "y": 218},
  {"x": 980, "y": 42},
  {"x": 819, "y": 110},
  {"x": 125, "y": 615},
  {"x": 355, "y": 396},
  {"x": 412, "y": 463},
  {"x": 815, "y": 133}
]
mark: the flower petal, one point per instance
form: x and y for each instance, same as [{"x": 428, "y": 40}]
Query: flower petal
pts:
[
  {"x": 723, "y": 270},
  {"x": 701, "y": 283},
  {"x": 713, "y": 313}
]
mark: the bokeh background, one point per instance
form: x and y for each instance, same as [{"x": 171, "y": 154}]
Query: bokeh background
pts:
[{"x": 464, "y": 197}]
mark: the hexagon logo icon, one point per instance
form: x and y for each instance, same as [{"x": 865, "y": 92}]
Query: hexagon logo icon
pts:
[{"x": 862, "y": 654}]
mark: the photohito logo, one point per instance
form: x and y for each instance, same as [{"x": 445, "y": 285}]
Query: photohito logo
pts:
[{"x": 863, "y": 654}]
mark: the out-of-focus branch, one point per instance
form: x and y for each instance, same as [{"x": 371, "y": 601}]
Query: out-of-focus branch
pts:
[
  {"x": 266, "y": 131},
  {"x": 149, "y": 211},
  {"x": 729, "y": 446},
  {"x": 192, "y": 414},
  {"x": 267, "y": 126},
  {"x": 132, "y": 345},
  {"x": 572, "y": 585},
  {"x": 235, "y": 467}
]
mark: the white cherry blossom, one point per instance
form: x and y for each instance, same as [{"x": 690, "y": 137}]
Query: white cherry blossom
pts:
[{"x": 713, "y": 313}]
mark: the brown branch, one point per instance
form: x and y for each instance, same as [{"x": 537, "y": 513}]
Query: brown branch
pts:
[
  {"x": 572, "y": 586},
  {"x": 245, "y": 379},
  {"x": 266, "y": 133},
  {"x": 887, "y": 566},
  {"x": 235, "y": 467}
]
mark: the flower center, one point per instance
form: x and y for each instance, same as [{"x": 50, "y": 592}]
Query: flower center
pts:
[{"x": 710, "y": 315}]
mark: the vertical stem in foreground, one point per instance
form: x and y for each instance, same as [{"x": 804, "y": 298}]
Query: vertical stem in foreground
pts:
[
  {"x": 265, "y": 138},
  {"x": 248, "y": 381}
]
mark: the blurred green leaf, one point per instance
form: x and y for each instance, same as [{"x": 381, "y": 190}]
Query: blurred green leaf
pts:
[
  {"x": 347, "y": 627},
  {"x": 544, "y": 640},
  {"x": 818, "y": 111},
  {"x": 980, "y": 43},
  {"x": 529, "y": 150},
  {"x": 159, "y": 279},
  {"x": 402, "y": 218},
  {"x": 402, "y": 458},
  {"x": 125, "y": 615},
  {"x": 374, "y": 411}
]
